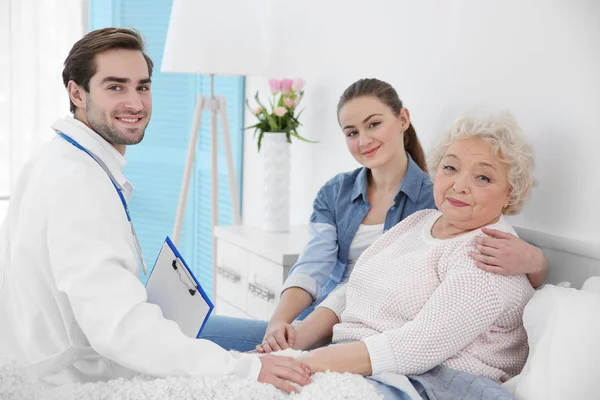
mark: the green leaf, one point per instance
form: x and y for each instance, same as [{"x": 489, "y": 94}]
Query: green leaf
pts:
[
  {"x": 296, "y": 122},
  {"x": 252, "y": 126},
  {"x": 260, "y": 138},
  {"x": 272, "y": 123},
  {"x": 297, "y": 117},
  {"x": 295, "y": 134},
  {"x": 258, "y": 101}
]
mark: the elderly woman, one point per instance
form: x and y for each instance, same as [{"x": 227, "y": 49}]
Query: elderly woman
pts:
[{"x": 416, "y": 301}]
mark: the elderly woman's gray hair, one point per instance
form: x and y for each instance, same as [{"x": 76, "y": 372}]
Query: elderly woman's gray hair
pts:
[{"x": 508, "y": 143}]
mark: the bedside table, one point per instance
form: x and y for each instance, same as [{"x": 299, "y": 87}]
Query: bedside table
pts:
[{"x": 251, "y": 267}]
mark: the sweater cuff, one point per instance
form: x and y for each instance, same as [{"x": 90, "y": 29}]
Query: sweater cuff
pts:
[
  {"x": 302, "y": 281},
  {"x": 336, "y": 302},
  {"x": 381, "y": 354},
  {"x": 248, "y": 366},
  {"x": 336, "y": 305}
]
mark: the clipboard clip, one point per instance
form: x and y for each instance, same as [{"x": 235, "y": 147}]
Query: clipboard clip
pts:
[{"x": 191, "y": 285}]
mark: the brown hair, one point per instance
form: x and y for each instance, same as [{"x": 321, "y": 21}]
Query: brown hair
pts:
[
  {"x": 80, "y": 64},
  {"x": 388, "y": 95}
]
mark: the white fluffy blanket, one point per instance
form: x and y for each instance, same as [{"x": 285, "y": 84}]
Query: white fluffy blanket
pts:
[{"x": 17, "y": 384}]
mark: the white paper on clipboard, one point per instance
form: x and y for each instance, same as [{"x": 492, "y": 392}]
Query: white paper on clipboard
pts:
[{"x": 174, "y": 288}]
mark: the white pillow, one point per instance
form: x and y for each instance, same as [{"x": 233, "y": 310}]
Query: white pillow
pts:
[
  {"x": 563, "y": 328},
  {"x": 592, "y": 285}
]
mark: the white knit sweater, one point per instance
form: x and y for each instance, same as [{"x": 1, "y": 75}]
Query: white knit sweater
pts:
[{"x": 418, "y": 302}]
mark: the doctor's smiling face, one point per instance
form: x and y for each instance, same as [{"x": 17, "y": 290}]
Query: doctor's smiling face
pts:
[{"x": 118, "y": 103}]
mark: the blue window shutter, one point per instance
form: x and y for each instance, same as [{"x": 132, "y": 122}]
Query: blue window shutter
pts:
[{"x": 155, "y": 166}]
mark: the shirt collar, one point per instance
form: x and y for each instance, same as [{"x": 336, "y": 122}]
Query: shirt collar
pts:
[
  {"x": 96, "y": 144},
  {"x": 410, "y": 186}
]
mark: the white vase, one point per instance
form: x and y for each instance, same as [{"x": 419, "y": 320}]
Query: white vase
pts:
[{"x": 276, "y": 182}]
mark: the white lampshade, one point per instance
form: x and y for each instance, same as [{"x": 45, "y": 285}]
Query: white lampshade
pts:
[
  {"x": 274, "y": 38},
  {"x": 208, "y": 37}
]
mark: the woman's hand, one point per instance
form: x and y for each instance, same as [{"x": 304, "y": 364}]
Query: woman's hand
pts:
[
  {"x": 317, "y": 360},
  {"x": 279, "y": 336},
  {"x": 278, "y": 370},
  {"x": 506, "y": 254},
  {"x": 348, "y": 357}
]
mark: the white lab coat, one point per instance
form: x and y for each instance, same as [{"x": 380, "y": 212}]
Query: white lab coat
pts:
[{"x": 71, "y": 306}]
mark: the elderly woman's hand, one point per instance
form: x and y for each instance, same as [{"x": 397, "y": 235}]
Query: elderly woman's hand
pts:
[
  {"x": 316, "y": 360},
  {"x": 506, "y": 254},
  {"x": 347, "y": 357}
]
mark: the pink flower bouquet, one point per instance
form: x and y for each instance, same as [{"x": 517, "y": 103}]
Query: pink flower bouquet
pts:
[{"x": 282, "y": 117}]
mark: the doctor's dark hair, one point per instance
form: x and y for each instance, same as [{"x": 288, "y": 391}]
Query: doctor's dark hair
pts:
[
  {"x": 80, "y": 65},
  {"x": 387, "y": 95}
]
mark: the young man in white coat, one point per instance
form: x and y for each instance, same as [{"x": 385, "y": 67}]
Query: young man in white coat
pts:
[{"x": 71, "y": 306}]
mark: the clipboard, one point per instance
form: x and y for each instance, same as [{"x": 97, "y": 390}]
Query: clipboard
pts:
[{"x": 173, "y": 287}]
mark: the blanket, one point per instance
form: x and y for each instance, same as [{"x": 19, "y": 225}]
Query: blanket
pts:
[
  {"x": 17, "y": 384},
  {"x": 440, "y": 384}
]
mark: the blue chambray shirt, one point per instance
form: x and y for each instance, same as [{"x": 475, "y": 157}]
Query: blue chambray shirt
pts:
[{"x": 339, "y": 208}]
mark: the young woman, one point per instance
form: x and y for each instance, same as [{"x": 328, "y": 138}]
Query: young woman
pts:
[{"x": 354, "y": 209}]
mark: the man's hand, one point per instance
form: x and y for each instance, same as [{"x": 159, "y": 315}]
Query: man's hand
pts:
[
  {"x": 279, "y": 336},
  {"x": 506, "y": 254},
  {"x": 278, "y": 371}
]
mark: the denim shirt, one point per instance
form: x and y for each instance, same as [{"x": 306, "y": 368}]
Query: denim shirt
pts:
[{"x": 339, "y": 208}]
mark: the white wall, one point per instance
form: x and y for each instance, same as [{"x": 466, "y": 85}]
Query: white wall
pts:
[
  {"x": 35, "y": 39},
  {"x": 537, "y": 59}
]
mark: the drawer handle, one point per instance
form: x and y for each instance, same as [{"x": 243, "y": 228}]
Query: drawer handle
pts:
[
  {"x": 261, "y": 292},
  {"x": 228, "y": 274}
]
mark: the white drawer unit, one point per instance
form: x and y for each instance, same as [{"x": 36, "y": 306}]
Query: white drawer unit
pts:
[
  {"x": 228, "y": 309},
  {"x": 251, "y": 267},
  {"x": 232, "y": 274},
  {"x": 265, "y": 279}
]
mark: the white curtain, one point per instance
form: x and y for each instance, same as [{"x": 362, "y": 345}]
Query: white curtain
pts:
[{"x": 35, "y": 38}]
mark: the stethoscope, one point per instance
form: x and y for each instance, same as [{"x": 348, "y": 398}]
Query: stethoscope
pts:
[{"x": 119, "y": 190}]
